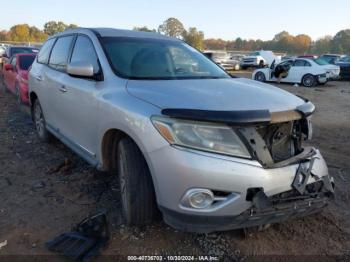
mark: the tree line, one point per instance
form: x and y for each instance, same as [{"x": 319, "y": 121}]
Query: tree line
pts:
[{"x": 282, "y": 42}]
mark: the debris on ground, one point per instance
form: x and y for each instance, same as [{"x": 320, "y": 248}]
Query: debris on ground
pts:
[
  {"x": 3, "y": 244},
  {"x": 85, "y": 240}
]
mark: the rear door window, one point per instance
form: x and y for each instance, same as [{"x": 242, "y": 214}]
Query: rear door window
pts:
[
  {"x": 84, "y": 51},
  {"x": 300, "y": 63},
  {"x": 60, "y": 53},
  {"x": 43, "y": 56}
]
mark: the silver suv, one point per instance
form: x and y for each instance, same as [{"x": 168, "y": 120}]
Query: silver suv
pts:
[{"x": 211, "y": 152}]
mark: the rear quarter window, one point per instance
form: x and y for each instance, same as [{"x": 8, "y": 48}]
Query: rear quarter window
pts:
[{"x": 44, "y": 54}]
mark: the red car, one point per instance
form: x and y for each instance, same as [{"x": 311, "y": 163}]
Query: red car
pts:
[{"x": 15, "y": 75}]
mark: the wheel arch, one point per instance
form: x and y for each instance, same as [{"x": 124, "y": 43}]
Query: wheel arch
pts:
[
  {"x": 32, "y": 97},
  {"x": 108, "y": 151}
]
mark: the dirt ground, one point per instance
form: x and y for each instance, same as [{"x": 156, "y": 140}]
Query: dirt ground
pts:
[{"x": 45, "y": 189}]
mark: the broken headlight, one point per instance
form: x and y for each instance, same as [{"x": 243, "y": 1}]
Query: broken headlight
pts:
[{"x": 217, "y": 138}]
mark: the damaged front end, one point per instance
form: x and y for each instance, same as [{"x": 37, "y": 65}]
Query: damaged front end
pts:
[{"x": 276, "y": 141}]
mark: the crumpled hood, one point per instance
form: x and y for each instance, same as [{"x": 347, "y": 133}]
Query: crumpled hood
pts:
[{"x": 231, "y": 94}]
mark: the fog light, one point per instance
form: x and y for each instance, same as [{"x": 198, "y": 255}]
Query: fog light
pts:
[{"x": 200, "y": 198}]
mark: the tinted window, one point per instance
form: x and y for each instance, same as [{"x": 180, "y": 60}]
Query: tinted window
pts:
[
  {"x": 287, "y": 63},
  {"x": 148, "y": 58},
  {"x": 60, "y": 52},
  {"x": 26, "y": 61},
  {"x": 22, "y": 50},
  {"x": 43, "y": 56},
  {"x": 85, "y": 51},
  {"x": 300, "y": 63}
]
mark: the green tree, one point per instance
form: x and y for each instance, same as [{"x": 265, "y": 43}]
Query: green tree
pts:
[
  {"x": 239, "y": 44},
  {"x": 215, "y": 44},
  {"x": 302, "y": 43},
  {"x": 36, "y": 35},
  {"x": 322, "y": 45},
  {"x": 144, "y": 29},
  {"x": 19, "y": 33},
  {"x": 341, "y": 42},
  {"x": 172, "y": 27},
  {"x": 53, "y": 27},
  {"x": 280, "y": 36},
  {"x": 194, "y": 38},
  {"x": 3, "y": 35}
]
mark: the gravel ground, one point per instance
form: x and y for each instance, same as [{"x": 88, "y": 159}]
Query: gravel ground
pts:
[{"x": 45, "y": 189}]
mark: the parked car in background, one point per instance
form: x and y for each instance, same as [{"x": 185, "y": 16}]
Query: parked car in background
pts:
[
  {"x": 234, "y": 63},
  {"x": 308, "y": 56},
  {"x": 15, "y": 75},
  {"x": 302, "y": 71},
  {"x": 331, "y": 58},
  {"x": 2, "y": 52},
  {"x": 344, "y": 64},
  {"x": 211, "y": 152},
  {"x": 259, "y": 59},
  {"x": 221, "y": 58},
  {"x": 332, "y": 71},
  {"x": 12, "y": 50}
]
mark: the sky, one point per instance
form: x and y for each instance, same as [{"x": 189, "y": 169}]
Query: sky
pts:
[{"x": 226, "y": 19}]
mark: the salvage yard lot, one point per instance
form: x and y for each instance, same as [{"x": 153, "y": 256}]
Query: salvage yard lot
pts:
[{"x": 45, "y": 189}]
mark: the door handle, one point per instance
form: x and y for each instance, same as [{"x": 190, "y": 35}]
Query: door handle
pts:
[
  {"x": 63, "y": 89},
  {"x": 39, "y": 78}
]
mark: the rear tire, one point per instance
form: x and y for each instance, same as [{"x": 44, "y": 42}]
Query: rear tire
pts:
[
  {"x": 260, "y": 76},
  {"x": 136, "y": 187},
  {"x": 40, "y": 123},
  {"x": 309, "y": 80}
]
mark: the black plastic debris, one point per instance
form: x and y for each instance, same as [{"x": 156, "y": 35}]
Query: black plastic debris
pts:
[{"x": 85, "y": 240}]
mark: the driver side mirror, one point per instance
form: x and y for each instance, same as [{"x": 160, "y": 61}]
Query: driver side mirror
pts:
[{"x": 80, "y": 69}]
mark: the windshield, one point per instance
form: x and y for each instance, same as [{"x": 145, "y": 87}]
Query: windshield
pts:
[
  {"x": 26, "y": 61},
  {"x": 320, "y": 61},
  {"x": 254, "y": 54},
  {"x": 143, "y": 58}
]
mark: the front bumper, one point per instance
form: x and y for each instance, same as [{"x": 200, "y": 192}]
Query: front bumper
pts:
[
  {"x": 251, "y": 217},
  {"x": 193, "y": 169}
]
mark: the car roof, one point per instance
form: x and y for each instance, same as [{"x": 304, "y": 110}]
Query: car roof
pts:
[{"x": 112, "y": 32}]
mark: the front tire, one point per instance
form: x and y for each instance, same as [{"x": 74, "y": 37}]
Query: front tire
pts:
[
  {"x": 136, "y": 187},
  {"x": 260, "y": 76},
  {"x": 309, "y": 80},
  {"x": 40, "y": 123}
]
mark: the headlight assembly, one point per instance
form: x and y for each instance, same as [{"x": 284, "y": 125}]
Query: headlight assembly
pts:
[{"x": 212, "y": 137}]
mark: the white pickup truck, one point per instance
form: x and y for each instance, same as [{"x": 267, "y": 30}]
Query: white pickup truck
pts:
[{"x": 259, "y": 59}]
